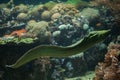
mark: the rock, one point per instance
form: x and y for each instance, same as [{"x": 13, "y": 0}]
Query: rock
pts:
[
  {"x": 62, "y": 27},
  {"x": 69, "y": 26},
  {"x": 56, "y": 33},
  {"x": 85, "y": 26}
]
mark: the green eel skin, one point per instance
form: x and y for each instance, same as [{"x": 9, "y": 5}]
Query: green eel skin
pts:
[{"x": 57, "y": 51}]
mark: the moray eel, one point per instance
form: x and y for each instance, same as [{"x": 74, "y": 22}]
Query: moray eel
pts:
[{"x": 57, "y": 51}]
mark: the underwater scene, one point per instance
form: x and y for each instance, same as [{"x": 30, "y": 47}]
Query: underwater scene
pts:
[{"x": 59, "y": 39}]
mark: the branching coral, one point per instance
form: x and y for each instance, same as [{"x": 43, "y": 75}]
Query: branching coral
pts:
[{"x": 110, "y": 68}]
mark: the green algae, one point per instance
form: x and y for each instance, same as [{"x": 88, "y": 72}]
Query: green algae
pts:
[
  {"x": 49, "y": 5},
  {"x": 77, "y": 3},
  {"x": 17, "y": 41}
]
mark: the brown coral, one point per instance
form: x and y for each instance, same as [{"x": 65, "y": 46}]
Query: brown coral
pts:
[
  {"x": 46, "y": 15},
  {"x": 67, "y": 9},
  {"x": 55, "y": 16},
  {"x": 43, "y": 61},
  {"x": 22, "y": 17},
  {"x": 36, "y": 11},
  {"x": 110, "y": 68},
  {"x": 113, "y": 6},
  {"x": 20, "y": 9},
  {"x": 42, "y": 67}
]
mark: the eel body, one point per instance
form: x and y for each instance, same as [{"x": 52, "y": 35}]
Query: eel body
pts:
[{"x": 58, "y": 51}]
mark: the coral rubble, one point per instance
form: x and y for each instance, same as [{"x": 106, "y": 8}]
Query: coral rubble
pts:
[{"x": 110, "y": 68}]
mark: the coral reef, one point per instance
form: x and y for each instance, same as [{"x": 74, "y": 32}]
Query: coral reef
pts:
[
  {"x": 67, "y": 25},
  {"x": 20, "y": 9},
  {"x": 49, "y": 5},
  {"x": 113, "y": 6},
  {"x": 11, "y": 40},
  {"x": 25, "y": 24},
  {"x": 78, "y": 3},
  {"x": 55, "y": 17},
  {"x": 46, "y": 15},
  {"x": 39, "y": 30},
  {"x": 110, "y": 68},
  {"x": 42, "y": 68},
  {"x": 22, "y": 17},
  {"x": 6, "y": 12},
  {"x": 64, "y": 9},
  {"x": 36, "y": 11},
  {"x": 90, "y": 13}
]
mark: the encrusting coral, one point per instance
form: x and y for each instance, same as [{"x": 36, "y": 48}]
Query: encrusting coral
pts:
[
  {"x": 90, "y": 13},
  {"x": 22, "y": 17},
  {"x": 49, "y": 5},
  {"x": 113, "y": 6},
  {"x": 66, "y": 9},
  {"x": 46, "y": 15},
  {"x": 38, "y": 29},
  {"x": 36, "y": 11},
  {"x": 6, "y": 12},
  {"x": 110, "y": 68},
  {"x": 20, "y": 9}
]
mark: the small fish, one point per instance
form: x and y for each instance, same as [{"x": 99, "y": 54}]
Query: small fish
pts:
[
  {"x": 61, "y": 70},
  {"x": 18, "y": 33},
  {"x": 98, "y": 24}
]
